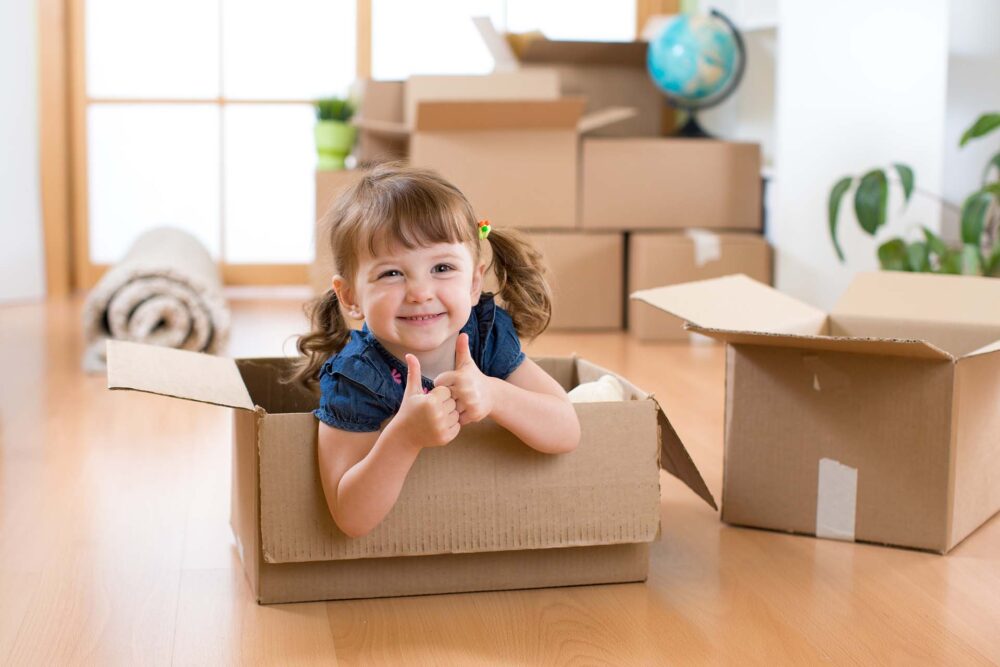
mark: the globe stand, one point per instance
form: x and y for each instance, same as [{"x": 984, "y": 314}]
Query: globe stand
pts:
[{"x": 692, "y": 130}]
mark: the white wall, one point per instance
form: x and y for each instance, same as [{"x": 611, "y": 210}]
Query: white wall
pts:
[
  {"x": 22, "y": 274},
  {"x": 973, "y": 88},
  {"x": 859, "y": 84}
]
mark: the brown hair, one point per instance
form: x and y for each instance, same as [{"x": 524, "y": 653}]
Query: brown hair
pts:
[{"x": 393, "y": 203}]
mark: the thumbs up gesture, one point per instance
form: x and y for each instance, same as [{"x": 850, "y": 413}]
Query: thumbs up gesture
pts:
[
  {"x": 468, "y": 386},
  {"x": 429, "y": 420}
]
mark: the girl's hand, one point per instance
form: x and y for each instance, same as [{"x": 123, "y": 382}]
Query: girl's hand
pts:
[
  {"x": 428, "y": 420},
  {"x": 469, "y": 387}
]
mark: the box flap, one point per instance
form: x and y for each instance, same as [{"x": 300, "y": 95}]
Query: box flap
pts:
[
  {"x": 179, "y": 373},
  {"x": 534, "y": 84},
  {"x": 674, "y": 458},
  {"x": 539, "y": 50},
  {"x": 387, "y": 128},
  {"x": 604, "y": 117},
  {"x": 985, "y": 349},
  {"x": 504, "y": 58},
  {"x": 736, "y": 303},
  {"x": 535, "y": 48},
  {"x": 890, "y": 347},
  {"x": 564, "y": 113},
  {"x": 899, "y": 295}
]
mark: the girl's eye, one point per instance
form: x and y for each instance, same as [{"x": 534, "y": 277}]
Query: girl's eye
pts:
[
  {"x": 391, "y": 273},
  {"x": 442, "y": 268}
]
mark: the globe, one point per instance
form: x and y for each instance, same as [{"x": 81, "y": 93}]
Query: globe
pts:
[{"x": 697, "y": 61}]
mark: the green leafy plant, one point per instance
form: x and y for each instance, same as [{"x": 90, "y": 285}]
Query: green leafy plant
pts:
[
  {"x": 334, "y": 108},
  {"x": 979, "y": 252}
]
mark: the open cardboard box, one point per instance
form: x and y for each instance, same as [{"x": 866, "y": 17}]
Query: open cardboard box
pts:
[
  {"x": 507, "y": 140},
  {"x": 516, "y": 161},
  {"x": 878, "y": 422},
  {"x": 388, "y": 108},
  {"x": 484, "y": 513}
]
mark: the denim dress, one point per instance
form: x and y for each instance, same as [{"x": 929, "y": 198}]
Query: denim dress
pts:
[{"x": 362, "y": 385}]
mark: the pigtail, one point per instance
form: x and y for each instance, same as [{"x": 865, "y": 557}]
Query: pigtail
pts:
[
  {"x": 329, "y": 334},
  {"x": 520, "y": 272}
]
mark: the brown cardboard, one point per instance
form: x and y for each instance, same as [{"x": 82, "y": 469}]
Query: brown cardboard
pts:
[
  {"x": 379, "y": 121},
  {"x": 329, "y": 185},
  {"x": 669, "y": 258},
  {"x": 586, "y": 273},
  {"x": 515, "y": 161},
  {"x": 647, "y": 183},
  {"x": 388, "y": 109},
  {"x": 897, "y": 386},
  {"x": 606, "y": 74},
  {"x": 538, "y": 84},
  {"x": 484, "y": 513}
]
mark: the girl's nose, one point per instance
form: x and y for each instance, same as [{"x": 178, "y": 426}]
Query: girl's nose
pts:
[{"x": 417, "y": 291}]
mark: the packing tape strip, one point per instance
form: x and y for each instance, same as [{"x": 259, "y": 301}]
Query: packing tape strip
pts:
[
  {"x": 707, "y": 246},
  {"x": 836, "y": 500}
]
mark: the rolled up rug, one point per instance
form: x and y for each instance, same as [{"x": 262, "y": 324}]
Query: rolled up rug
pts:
[{"x": 166, "y": 291}]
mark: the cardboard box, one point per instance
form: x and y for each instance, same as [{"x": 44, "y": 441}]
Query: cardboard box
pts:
[
  {"x": 876, "y": 423},
  {"x": 516, "y": 161},
  {"x": 388, "y": 110},
  {"x": 329, "y": 185},
  {"x": 586, "y": 272},
  {"x": 378, "y": 120},
  {"x": 669, "y": 258},
  {"x": 643, "y": 184},
  {"x": 606, "y": 74},
  {"x": 484, "y": 513}
]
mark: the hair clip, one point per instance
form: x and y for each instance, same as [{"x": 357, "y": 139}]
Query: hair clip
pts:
[{"x": 484, "y": 229}]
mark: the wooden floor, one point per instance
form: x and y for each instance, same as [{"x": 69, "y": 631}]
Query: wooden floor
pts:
[{"x": 115, "y": 547}]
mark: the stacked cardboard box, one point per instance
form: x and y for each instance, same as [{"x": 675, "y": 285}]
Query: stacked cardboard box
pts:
[
  {"x": 692, "y": 210},
  {"x": 547, "y": 145}
]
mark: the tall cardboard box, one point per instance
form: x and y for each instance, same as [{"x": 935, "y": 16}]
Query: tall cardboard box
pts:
[
  {"x": 646, "y": 183},
  {"x": 329, "y": 185},
  {"x": 381, "y": 137},
  {"x": 877, "y": 422},
  {"x": 606, "y": 74},
  {"x": 669, "y": 258},
  {"x": 587, "y": 278},
  {"x": 484, "y": 513},
  {"x": 516, "y": 161}
]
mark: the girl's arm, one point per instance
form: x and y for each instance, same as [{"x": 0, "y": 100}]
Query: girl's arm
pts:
[
  {"x": 363, "y": 473},
  {"x": 533, "y": 406}
]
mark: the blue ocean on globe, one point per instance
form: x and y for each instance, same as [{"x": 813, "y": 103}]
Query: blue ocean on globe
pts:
[{"x": 694, "y": 60}]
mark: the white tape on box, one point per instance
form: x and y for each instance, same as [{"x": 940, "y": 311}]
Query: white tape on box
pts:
[
  {"x": 707, "y": 246},
  {"x": 836, "y": 500}
]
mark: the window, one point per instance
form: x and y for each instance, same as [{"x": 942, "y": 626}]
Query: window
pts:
[{"x": 198, "y": 115}]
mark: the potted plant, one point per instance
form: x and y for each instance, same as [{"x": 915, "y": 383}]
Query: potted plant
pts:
[
  {"x": 334, "y": 135},
  {"x": 979, "y": 252}
]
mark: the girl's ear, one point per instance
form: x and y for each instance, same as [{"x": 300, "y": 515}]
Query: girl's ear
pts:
[
  {"x": 477, "y": 282},
  {"x": 345, "y": 294}
]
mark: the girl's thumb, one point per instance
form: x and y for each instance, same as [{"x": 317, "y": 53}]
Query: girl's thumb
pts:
[{"x": 413, "y": 384}]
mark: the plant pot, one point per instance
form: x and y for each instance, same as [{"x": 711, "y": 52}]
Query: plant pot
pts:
[{"x": 334, "y": 140}]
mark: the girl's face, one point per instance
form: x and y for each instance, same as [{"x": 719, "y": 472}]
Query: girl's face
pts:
[{"x": 415, "y": 300}]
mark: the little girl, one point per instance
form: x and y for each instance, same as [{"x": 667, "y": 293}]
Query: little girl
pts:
[{"x": 435, "y": 353}]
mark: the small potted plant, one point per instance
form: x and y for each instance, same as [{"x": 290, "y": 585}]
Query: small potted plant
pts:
[
  {"x": 979, "y": 253},
  {"x": 334, "y": 134}
]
